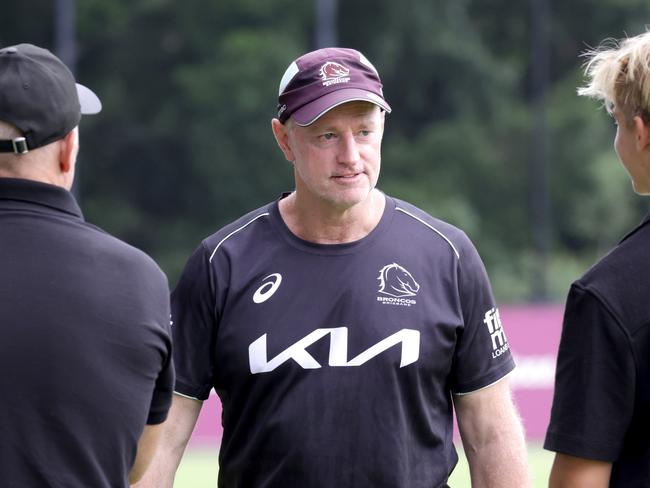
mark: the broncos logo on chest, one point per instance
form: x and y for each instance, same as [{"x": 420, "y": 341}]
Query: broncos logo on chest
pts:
[{"x": 396, "y": 281}]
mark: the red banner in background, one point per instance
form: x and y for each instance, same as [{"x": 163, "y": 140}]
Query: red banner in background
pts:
[
  {"x": 534, "y": 335},
  {"x": 533, "y": 332}
]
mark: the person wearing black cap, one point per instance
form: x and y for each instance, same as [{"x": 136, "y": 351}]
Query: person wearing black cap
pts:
[
  {"x": 338, "y": 325},
  {"x": 85, "y": 345}
]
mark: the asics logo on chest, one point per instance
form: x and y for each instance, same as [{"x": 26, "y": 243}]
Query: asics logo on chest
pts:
[
  {"x": 409, "y": 339},
  {"x": 266, "y": 291}
]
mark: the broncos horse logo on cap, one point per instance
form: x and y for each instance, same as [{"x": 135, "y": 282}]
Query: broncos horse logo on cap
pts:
[
  {"x": 396, "y": 281},
  {"x": 332, "y": 70}
]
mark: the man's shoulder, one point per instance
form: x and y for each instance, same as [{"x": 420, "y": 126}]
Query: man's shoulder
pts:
[
  {"x": 438, "y": 229},
  {"x": 630, "y": 258},
  {"x": 620, "y": 278},
  {"x": 241, "y": 226},
  {"x": 114, "y": 248}
]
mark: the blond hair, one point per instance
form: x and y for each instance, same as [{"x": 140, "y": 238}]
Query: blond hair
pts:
[{"x": 618, "y": 74}]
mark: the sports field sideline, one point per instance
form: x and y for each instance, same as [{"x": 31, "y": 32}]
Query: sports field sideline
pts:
[{"x": 199, "y": 469}]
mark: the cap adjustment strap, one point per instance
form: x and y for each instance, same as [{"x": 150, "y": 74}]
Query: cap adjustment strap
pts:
[{"x": 16, "y": 146}]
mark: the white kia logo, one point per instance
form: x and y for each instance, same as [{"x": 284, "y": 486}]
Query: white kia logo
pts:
[{"x": 266, "y": 291}]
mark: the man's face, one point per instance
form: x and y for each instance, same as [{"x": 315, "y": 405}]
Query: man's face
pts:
[{"x": 337, "y": 158}]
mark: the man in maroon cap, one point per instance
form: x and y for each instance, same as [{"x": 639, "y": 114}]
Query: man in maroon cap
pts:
[{"x": 339, "y": 326}]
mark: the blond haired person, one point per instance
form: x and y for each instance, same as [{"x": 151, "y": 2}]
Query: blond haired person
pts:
[{"x": 600, "y": 426}]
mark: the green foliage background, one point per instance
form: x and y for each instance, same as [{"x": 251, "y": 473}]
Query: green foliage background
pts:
[{"x": 184, "y": 144}]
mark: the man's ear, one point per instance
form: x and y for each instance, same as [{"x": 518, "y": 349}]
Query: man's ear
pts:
[
  {"x": 642, "y": 133},
  {"x": 281, "y": 134},
  {"x": 68, "y": 151}
]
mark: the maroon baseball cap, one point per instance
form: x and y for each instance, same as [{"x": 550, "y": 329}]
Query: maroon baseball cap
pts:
[
  {"x": 39, "y": 95},
  {"x": 318, "y": 81}
]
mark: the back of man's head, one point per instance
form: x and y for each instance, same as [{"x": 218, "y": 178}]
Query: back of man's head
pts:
[{"x": 40, "y": 103}]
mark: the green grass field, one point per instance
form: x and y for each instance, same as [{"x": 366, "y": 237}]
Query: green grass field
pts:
[{"x": 199, "y": 469}]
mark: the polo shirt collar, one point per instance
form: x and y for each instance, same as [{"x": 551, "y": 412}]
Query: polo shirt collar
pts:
[
  {"x": 644, "y": 222},
  {"x": 42, "y": 194}
]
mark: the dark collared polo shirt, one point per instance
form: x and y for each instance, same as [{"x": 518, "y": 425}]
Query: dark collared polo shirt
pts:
[
  {"x": 85, "y": 348},
  {"x": 602, "y": 390}
]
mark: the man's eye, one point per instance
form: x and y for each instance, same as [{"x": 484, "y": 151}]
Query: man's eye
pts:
[
  {"x": 328, "y": 136},
  {"x": 364, "y": 133}
]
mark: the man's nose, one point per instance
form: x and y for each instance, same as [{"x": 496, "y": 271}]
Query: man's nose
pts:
[{"x": 348, "y": 150}]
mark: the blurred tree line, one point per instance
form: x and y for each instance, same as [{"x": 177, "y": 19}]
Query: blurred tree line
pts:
[{"x": 184, "y": 143}]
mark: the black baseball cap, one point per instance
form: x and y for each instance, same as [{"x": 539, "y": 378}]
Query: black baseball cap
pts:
[
  {"x": 39, "y": 96},
  {"x": 320, "y": 80}
]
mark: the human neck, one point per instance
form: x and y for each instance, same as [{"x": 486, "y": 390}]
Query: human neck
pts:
[
  {"x": 36, "y": 175},
  {"x": 326, "y": 225},
  {"x": 41, "y": 165}
]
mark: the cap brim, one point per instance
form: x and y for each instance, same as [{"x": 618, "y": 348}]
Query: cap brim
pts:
[
  {"x": 308, "y": 114},
  {"x": 90, "y": 103}
]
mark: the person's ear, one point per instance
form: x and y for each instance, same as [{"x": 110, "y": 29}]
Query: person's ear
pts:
[
  {"x": 281, "y": 134},
  {"x": 642, "y": 133},
  {"x": 68, "y": 151}
]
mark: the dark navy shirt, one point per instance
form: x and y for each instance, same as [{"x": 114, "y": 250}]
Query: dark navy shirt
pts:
[
  {"x": 85, "y": 345},
  {"x": 601, "y": 405},
  {"x": 335, "y": 364}
]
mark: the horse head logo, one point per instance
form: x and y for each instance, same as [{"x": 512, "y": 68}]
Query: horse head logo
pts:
[
  {"x": 333, "y": 70},
  {"x": 395, "y": 281}
]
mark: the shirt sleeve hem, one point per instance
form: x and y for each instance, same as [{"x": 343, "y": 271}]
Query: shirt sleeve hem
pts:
[
  {"x": 571, "y": 446},
  {"x": 155, "y": 418},
  {"x": 200, "y": 393},
  {"x": 489, "y": 379}
]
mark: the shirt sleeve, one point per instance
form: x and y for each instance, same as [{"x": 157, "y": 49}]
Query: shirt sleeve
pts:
[
  {"x": 482, "y": 355},
  {"x": 594, "y": 382},
  {"x": 162, "y": 394},
  {"x": 194, "y": 327}
]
